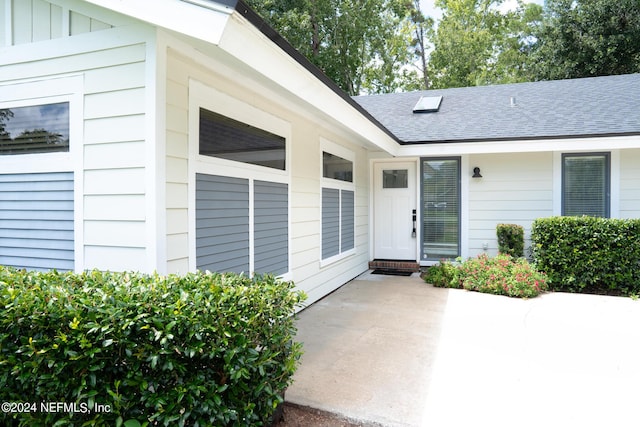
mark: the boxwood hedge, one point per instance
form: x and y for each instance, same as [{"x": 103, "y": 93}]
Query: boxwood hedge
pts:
[
  {"x": 587, "y": 254},
  {"x": 103, "y": 348}
]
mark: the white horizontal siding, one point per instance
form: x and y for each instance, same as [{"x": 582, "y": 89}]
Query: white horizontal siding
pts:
[
  {"x": 123, "y": 102},
  {"x": 115, "y": 181},
  {"x": 177, "y": 152},
  {"x": 73, "y": 62},
  {"x": 115, "y": 258},
  {"x": 116, "y": 234},
  {"x": 514, "y": 189},
  {"x": 118, "y": 207},
  {"x": 630, "y": 183},
  {"x": 110, "y": 155},
  {"x": 115, "y": 129}
]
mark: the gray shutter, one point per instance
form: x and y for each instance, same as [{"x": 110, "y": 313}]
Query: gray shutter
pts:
[
  {"x": 347, "y": 229},
  {"x": 222, "y": 223},
  {"x": 330, "y": 222},
  {"x": 271, "y": 227},
  {"x": 36, "y": 221}
]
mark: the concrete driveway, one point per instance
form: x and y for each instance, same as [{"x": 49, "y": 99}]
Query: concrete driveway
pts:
[{"x": 394, "y": 351}]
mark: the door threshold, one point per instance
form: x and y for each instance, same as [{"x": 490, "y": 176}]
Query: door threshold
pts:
[{"x": 393, "y": 264}]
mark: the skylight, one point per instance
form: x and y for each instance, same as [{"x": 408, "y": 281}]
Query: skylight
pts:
[{"x": 428, "y": 104}]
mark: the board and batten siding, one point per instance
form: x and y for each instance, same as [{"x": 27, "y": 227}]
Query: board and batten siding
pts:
[
  {"x": 37, "y": 221},
  {"x": 38, "y": 20},
  {"x": 630, "y": 183},
  {"x": 514, "y": 189}
]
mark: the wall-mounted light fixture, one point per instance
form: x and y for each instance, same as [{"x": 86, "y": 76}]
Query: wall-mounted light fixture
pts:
[{"x": 476, "y": 173}]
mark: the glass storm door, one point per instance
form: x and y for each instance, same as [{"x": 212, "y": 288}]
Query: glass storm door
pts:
[{"x": 440, "y": 208}]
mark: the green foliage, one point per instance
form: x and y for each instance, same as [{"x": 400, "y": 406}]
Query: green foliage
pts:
[
  {"x": 443, "y": 275},
  {"x": 363, "y": 46},
  {"x": 501, "y": 275},
  {"x": 201, "y": 349},
  {"x": 477, "y": 44},
  {"x": 588, "y": 254},
  {"x": 510, "y": 239},
  {"x": 586, "y": 38}
]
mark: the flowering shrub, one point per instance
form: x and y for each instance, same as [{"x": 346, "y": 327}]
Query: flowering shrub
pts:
[{"x": 502, "y": 275}]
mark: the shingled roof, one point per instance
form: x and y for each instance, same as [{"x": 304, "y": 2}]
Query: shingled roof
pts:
[{"x": 597, "y": 106}]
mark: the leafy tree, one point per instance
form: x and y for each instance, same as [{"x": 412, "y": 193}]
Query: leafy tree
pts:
[
  {"x": 475, "y": 43},
  {"x": 362, "y": 45},
  {"x": 583, "y": 38},
  {"x": 423, "y": 27}
]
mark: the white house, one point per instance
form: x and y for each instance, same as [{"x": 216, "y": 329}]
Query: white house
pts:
[{"x": 175, "y": 135}]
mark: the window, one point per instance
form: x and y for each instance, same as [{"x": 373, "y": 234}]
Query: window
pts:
[
  {"x": 34, "y": 129},
  {"x": 586, "y": 184},
  {"x": 338, "y": 227},
  {"x": 336, "y": 167},
  {"x": 395, "y": 178},
  {"x": 242, "y": 225},
  {"x": 441, "y": 208},
  {"x": 226, "y": 138},
  {"x": 338, "y": 203}
]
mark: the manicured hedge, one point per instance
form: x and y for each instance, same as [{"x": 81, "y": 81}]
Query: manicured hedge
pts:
[
  {"x": 130, "y": 349},
  {"x": 587, "y": 254}
]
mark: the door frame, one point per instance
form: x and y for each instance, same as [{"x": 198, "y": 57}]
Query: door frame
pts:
[{"x": 372, "y": 197}]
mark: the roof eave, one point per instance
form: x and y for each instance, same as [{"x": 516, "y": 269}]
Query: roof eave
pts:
[{"x": 598, "y": 142}]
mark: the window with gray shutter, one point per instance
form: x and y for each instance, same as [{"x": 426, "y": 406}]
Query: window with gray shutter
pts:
[
  {"x": 37, "y": 221},
  {"x": 271, "y": 227},
  {"x": 222, "y": 223},
  {"x": 338, "y": 221},
  {"x": 586, "y": 184}
]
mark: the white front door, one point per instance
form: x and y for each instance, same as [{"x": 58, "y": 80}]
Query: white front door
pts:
[{"x": 394, "y": 207}]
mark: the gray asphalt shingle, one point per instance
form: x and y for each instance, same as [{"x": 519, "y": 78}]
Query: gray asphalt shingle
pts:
[{"x": 560, "y": 108}]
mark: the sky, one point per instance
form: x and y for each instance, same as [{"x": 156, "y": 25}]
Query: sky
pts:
[{"x": 429, "y": 9}]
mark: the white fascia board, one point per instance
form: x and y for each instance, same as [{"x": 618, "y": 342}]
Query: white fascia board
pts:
[
  {"x": 521, "y": 146},
  {"x": 189, "y": 18},
  {"x": 246, "y": 43}
]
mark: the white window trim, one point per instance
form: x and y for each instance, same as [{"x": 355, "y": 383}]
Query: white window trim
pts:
[
  {"x": 337, "y": 150},
  {"x": 69, "y": 89},
  {"x": 203, "y": 96}
]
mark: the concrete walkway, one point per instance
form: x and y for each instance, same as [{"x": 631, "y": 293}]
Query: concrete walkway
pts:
[{"x": 394, "y": 351}]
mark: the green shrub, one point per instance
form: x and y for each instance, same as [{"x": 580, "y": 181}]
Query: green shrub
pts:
[
  {"x": 501, "y": 275},
  {"x": 587, "y": 254},
  {"x": 510, "y": 239},
  {"x": 443, "y": 275},
  {"x": 200, "y": 349}
]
